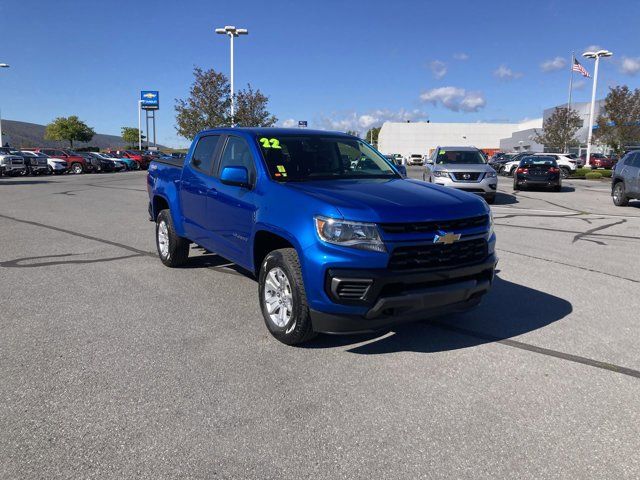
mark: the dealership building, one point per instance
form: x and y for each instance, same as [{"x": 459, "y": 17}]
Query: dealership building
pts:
[{"x": 424, "y": 137}]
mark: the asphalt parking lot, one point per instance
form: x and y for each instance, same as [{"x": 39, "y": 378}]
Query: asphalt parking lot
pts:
[{"x": 114, "y": 366}]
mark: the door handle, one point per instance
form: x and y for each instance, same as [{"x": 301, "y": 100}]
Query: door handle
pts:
[{"x": 213, "y": 192}]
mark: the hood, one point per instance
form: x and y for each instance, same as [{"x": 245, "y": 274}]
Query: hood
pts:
[
  {"x": 396, "y": 200},
  {"x": 482, "y": 167}
]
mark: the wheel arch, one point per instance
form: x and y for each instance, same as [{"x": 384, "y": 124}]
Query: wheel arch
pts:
[{"x": 267, "y": 240}]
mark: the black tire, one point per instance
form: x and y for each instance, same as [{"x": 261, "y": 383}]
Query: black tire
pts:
[
  {"x": 298, "y": 329},
  {"x": 177, "y": 252},
  {"x": 619, "y": 195},
  {"x": 557, "y": 188},
  {"x": 76, "y": 168},
  {"x": 564, "y": 172},
  {"x": 516, "y": 186}
]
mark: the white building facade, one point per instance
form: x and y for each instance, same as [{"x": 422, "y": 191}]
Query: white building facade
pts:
[{"x": 424, "y": 137}]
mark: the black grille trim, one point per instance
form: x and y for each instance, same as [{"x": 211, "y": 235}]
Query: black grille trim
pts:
[
  {"x": 434, "y": 255},
  {"x": 432, "y": 227}
]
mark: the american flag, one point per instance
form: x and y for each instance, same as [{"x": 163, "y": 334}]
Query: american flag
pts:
[{"x": 579, "y": 68}]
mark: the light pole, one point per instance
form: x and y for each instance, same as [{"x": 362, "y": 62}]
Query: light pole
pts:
[
  {"x": 139, "y": 125},
  {"x": 2, "y": 65},
  {"x": 596, "y": 56},
  {"x": 232, "y": 32}
]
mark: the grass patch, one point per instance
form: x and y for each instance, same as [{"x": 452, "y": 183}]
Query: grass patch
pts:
[{"x": 593, "y": 176}]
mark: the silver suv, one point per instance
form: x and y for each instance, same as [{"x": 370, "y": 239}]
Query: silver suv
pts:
[
  {"x": 625, "y": 183},
  {"x": 464, "y": 168},
  {"x": 11, "y": 164}
]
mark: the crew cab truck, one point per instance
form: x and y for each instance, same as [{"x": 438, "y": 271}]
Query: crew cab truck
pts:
[{"x": 338, "y": 240}]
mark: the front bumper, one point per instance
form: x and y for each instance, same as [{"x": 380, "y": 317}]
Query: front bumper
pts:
[
  {"x": 486, "y": 187},
  {"x": 398, "y": 297}
]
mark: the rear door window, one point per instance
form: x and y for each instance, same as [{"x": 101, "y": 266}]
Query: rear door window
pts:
[{"x": 203, "y": 155}]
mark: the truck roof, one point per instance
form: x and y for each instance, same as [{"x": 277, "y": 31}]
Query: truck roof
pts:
[{"x": 266, "y": 131}]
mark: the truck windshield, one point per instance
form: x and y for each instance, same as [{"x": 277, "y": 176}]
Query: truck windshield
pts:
[
  {"x": 295, "y": 158},
  {"x": 460, "y": 157}
]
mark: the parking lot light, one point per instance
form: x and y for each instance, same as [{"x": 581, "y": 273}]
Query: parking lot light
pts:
[
  {"x": 2, "y": 65},
  {"x": 232, "y": 32},
  {"x": 596, "y": 56}
]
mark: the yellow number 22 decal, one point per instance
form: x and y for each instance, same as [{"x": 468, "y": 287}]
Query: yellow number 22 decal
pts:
[{"x": 270, "y": 143}]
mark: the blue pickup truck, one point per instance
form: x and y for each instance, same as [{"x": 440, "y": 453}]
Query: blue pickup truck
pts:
[{"x": 339, "y": 241}]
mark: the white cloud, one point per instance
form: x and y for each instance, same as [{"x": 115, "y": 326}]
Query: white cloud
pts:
[
  {"x": 289, "y": 123},
  {"x": 361, "y": 122},
  {"x": 630, "y": 65},
  {"x": 438, "y": 68},
  {"x": 454, "y": 98},
  {"x": 461, "y": 56},
  {"x": 505, "y": 73},
  {"x": 579, "y": 84},
  {"x": 553, "y": 65}
]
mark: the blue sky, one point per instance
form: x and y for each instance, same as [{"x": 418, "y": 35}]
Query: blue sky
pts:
[{"x": 337, "y": 64}]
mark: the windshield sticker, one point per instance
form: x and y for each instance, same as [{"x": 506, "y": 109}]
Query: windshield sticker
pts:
[
  {"x": 281, "y": 169},
  {"x": 442, "y": 152},
  {"x": 270, "y": 143}
]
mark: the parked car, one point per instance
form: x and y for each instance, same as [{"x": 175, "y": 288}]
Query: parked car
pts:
[
  {"x": 398, "y": 163},
  {"x": 98, "y": 164},
  {"x": 142, "y": 159},
  {"x": 567, "y": 165},
  {"x": 462, "y": 168},
  {"x": 334, "y": 248},
  {"x": 131, "y": 164},
  {"x": 35, "y": 163},
  {"x": 415, "y": 159},
  {"x": 76, "y": 163},
  {"x": 598, "y": 160},
  {"x": 118, "y": 164},
  {"x": 540, "y": 171},
  {"x": 625, "y": 181},
  {"x": 10, "y": 163}
]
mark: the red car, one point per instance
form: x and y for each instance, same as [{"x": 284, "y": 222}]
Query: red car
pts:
[
  {"x": 143, "y": 160},
  {"x": 75, "y": 162},
  {"x": 598, "y": 160}
]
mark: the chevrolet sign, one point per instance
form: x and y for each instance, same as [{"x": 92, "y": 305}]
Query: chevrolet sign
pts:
[{"x": 150, "y": 100}]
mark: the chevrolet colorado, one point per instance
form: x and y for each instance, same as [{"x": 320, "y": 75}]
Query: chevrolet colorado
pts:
[{"x": 338, "y": 240}]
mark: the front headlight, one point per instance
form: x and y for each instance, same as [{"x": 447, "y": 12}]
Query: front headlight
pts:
[
  {"x": 492, "y": 174},
  {"x": 440, "y": 173},
  {"x": 364, "y": 236}
]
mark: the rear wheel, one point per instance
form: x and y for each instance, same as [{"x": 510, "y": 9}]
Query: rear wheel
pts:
[
  {"x": 565, "y": 172},
  {"x": 283, "y": 300},
  {"x": 76, "y": 168},
  {"x": 173, "y": 250},
  {"x": 515, "y": 185},
  {"x": 619, "y": 195}
]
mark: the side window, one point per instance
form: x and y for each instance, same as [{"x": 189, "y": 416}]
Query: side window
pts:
[
  {"x": 237, "y": 154},
  {"x": 202, "y": 158},
  {"x": 634, "y": 161}
]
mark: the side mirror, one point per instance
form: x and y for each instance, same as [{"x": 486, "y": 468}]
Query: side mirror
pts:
[
  {"x": 236, "y": 176},
  {"x": 429, "y": 161}
]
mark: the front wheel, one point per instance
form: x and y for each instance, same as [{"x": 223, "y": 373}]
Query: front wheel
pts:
[
  {"x": 283, "y": 300},
  {"x": 173, "y": 250},
  {"x": 619, "y": 196},
  {"x": 76, "y": 168}
]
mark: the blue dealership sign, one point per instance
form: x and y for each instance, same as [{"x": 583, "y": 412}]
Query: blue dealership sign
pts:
[{"x": 150, "y": 99}]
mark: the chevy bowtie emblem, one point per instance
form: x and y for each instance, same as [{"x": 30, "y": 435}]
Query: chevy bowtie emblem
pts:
[{"x": 446, "y": 238}]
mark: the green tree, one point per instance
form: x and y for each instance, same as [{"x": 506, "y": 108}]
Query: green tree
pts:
[
  {"x": 251, "y": 109},
  {"x": 352, "y": 132},
  {"x": 559, "y": 130},
  {"x": 372, "y": 136},
  {"x": 130, "y": 135},
  {"x": 209, "y": 105},
  {"x": 70, "y": 129},
  {"x": 619, "y": 124}
]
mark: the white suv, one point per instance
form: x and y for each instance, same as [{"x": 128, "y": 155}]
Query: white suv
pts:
[
  {"x": 415, "y": 159},
  {"x": 567, "y": 165}
]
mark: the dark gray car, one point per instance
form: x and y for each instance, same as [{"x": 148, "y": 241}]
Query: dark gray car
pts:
[{"x": 625, "y": 184}]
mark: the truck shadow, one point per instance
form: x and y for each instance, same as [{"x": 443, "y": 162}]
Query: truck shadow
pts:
[
  {"x": 507, "y": 311},
  {"x": 505, "y": 199}
]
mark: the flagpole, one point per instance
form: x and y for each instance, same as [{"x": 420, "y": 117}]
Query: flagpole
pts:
[{"x": 573, "y": 59}]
